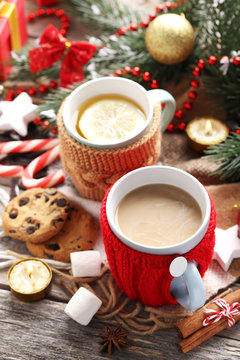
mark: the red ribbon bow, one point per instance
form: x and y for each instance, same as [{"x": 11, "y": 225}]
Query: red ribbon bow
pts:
[
  {"x": 53, "y": 47},
  {"x": 227, "y": 310}
]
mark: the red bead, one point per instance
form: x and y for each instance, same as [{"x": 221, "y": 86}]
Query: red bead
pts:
[
  {"x": 37, "y": 120},
  {"x": 196, "y": 71},
  {"x": 45, "y": 124},
  {"x": 159, "y": 7},
  {"x": 20, "y": 90},
  {"x": 179, "y": 114},
  {"x": 133, "y": 26},
  {"x": 43, "y": 88},
  {"x": 163, "y": 105},
  {"x": 118, "y": 72},
  {"x": 146, "y": 76},
  {"x": 122, "y": 30},
  {"x": 65, "y": 18},
  {"x": 60, "y": 12},
  {"x": 201, "y": 64},
  {"x": 40, "y": 12},
  {"x": 237, "y": 131},
  {"x": 10, "y": 93},
  {"x": 31, "y": 16},
  {"x": 54, "y": 130},
  {"x": 167, "y": 4},
  {"x": 144, "y": 23},
  {"x": 32, "y": 91},
  {"x": 236, "y": 60},
  {"x": 50, "y": 11},
  {"x": 152, "y": 16},
  {"x": 53, "y": 84},
  {"x": 8, "y": 99},
  {"x": 154, "y": 84},
  {"x": 187, "y": 105},
  {"x": 181, "y": 126},
  {"x": 63, "y": 32},
  {"x": 65, "y": 25},
  {"x": 195, "y": 83},
  {"x": 111, "y": 75},
  {"x": 127, "y": 69},
  {"x": 136, "y": 71},
  {"x": 170, "y": 127},
  {"x": 192, "y": 94},
  {"x": 212, "y": 60}
]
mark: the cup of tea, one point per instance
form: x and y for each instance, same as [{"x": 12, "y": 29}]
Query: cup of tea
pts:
[
  {"x": 112, "y": 112},
  {"x": 108, "y": 127},
  {"x": 158, "y": 227}
]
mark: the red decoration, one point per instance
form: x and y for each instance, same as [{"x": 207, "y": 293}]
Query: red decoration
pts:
[
  {"x": 170, "y": 127},
  {"x": 195, "y": 83},
  {"x": 152, "y": 16},
  {"x": 196, "y": 71},
  {"x": 136, "y": 71},
  {"x": 201, "y": 64},
  {"x": 60, "y": 13},
  {"x": 11, "y": 40},
  {"x": 192, "y": 94},
  {"x": 47, "y": 2},
  {"x": 236, "y": 60},
  {"x": 212, "y": 60},
  {"x": 133, "y": 26},
  {"x": 53, "y": 47},
  {"x": 144, "y": 23},
  {"x": 187, "y": 105},
  {"x": 122, "y": 30},
  {"x": 179, "y": 114},
  {"x": 147, "y": 76},
  {"x": 227, "y": 310}
]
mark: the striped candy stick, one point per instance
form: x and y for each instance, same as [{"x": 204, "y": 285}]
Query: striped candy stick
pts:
[{"x": 39, "y": 163}]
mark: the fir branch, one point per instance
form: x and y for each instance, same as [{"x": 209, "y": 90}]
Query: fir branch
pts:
[
  {"x": 228, "y": 155},
  {"x": 105, "y": 15}
]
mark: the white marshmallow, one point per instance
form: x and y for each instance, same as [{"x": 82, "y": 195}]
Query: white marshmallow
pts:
[
  {"x": 86, "y": 263},
  {"x": 83, "y": 306}
]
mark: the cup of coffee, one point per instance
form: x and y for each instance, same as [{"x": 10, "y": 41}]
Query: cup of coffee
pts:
[
  {"x": 112, "y": 112},
  {"x": 158, "y": 230}
]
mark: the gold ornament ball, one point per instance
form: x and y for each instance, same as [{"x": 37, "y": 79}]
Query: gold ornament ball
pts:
[{"x": 170, "y": 38}]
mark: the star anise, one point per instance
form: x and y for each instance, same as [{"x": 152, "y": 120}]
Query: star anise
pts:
[{"x": 113, "y": 339}]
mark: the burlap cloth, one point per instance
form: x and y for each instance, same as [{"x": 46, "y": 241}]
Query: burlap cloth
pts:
[{"x": 93, "y": 170}]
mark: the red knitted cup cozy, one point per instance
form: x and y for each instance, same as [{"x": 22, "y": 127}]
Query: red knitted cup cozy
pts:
[{"x": 146, "y": 277}]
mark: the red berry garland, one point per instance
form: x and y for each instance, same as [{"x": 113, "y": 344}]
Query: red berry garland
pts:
[
  {"x": 59, "y": 13},
  {"x": 192, "y": 94}
]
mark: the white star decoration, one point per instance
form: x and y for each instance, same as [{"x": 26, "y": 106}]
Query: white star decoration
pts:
[
  {"x": 227, "y": 246},
  {"x": 17, "y": 114}
]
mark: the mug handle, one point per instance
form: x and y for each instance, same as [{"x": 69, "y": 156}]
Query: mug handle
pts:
[
  {"x": 188, "y": 288},
  {"x": 162, "y": 96}
]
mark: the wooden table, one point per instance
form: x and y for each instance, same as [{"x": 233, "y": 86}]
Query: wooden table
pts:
[{"x": 41, "y": 330}]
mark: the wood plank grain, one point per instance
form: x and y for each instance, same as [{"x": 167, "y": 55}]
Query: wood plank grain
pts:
[{"x": 41, "y": 330}]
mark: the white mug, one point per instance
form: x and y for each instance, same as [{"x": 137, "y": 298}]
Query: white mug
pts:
[
  {"x": 119, "y": 86},
  {"x": 186, "y": 286}
]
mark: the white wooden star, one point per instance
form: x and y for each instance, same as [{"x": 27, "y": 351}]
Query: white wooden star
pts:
[
  {"x": 227, "y": 246},
  {"x": 17, "y": 114}
]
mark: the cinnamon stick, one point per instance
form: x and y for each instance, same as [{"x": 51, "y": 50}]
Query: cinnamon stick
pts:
[
  {"x": 194, "y": 322},
  {"x": 203, "y": 334}
]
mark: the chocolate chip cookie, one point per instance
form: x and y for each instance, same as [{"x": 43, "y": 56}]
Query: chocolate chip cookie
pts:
[
  {"x": 35, "y": 215},
  {"x": 79, "y": 232}
]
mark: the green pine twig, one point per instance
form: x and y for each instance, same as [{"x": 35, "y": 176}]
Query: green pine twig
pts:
[{"x": 227, "y": 154}]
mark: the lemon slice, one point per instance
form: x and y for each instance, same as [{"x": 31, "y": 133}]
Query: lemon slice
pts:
[{"x": 110, "y": 119}]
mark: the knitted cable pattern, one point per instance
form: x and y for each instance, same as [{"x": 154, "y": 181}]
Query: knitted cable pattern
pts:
[
  {"x": 146, "y": 277},
  {"x": 94, "y": 170}
]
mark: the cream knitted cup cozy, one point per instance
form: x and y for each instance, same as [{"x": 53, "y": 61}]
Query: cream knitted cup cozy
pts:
[{"x": 94, "y": 170}]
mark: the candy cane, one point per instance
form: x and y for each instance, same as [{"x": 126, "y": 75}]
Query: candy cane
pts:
[
  {"x": 37, "y": 164},
  {"x": 10, "y": 147},
  {"x": 11, "y": 170}
]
